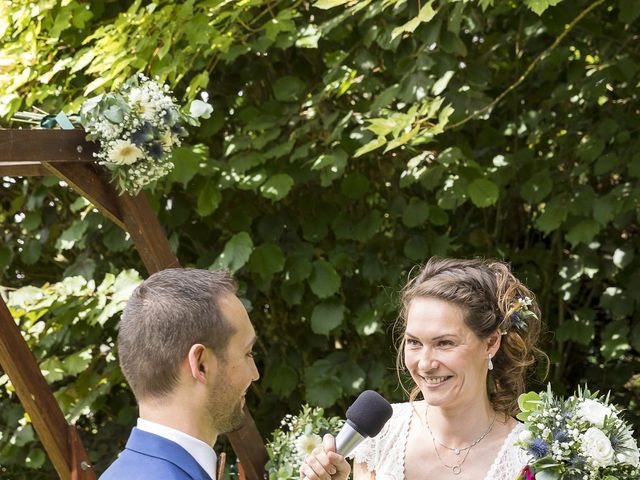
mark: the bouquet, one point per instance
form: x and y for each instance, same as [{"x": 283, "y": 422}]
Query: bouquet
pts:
[
  {"x": 295, "y": 439},
  {"x": 138, "y": 125},
  {"x": 583, "y": 437}
]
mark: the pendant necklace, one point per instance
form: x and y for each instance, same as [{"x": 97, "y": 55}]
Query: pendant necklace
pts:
[{"x": 457, "y": 468}]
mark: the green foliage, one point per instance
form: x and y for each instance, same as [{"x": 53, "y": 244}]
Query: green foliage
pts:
[
  {"x": 64, "y": 325},
  {"x": 349, "y": 141}
]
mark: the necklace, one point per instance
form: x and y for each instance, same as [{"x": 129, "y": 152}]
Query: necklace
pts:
[{"x": 457, "y": 468}]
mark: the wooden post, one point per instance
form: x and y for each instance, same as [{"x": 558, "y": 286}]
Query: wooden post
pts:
[
  {"x": 20, "y": 365},
  {"x": 146, "y": 232}
]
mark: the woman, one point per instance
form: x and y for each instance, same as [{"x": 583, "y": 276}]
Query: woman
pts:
[{"x": 469, "y": 329}]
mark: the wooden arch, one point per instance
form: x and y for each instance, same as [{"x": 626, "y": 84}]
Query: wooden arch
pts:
[{"x": 67, "y": 155}]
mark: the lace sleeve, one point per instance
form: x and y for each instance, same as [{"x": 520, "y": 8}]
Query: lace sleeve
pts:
[
  {"x": 384, "y": 454},
  {"x": 365, "y": 453},
  {"x": 510, "y": 460}
]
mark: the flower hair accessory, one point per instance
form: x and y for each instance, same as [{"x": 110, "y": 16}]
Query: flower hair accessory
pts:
[{"x": 519, "y": 313}]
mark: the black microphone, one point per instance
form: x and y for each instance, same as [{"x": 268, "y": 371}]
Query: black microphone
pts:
[{"x": 365, "y": 418}]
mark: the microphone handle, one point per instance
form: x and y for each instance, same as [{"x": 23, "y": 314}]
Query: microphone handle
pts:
[{"x": 348, "y": 439}]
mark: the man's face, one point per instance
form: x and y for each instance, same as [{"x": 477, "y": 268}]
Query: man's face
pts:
[{"x": 236, "y": 369}]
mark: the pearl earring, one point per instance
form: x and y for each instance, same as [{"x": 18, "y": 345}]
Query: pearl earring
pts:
[{"x": 490, "y": 365}]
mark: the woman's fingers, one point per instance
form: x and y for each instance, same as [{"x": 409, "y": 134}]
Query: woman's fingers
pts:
[{"x": 325, "y": 464}]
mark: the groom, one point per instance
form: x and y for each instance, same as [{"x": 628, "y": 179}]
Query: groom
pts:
[{"x": 185, "y": 345}]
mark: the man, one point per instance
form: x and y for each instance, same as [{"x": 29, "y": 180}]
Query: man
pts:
[{"x": 185, "y": 345}]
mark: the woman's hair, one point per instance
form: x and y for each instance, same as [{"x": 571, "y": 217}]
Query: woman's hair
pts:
[{"x": 491, "y": 299}]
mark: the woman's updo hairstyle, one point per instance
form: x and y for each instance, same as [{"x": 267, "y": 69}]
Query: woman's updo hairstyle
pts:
[{"x": 491, "y": 299}]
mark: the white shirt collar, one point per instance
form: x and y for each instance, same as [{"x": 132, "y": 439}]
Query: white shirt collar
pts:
[{"x": 199, "y": 450}]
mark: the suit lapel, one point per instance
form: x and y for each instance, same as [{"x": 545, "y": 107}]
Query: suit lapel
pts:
[{"x": 153, "y": 445}]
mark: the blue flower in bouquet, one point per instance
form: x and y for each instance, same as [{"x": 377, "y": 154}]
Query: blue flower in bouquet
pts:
[
  {"x": 295, "y": 439},
  {"x": 137, "y": 126},
  {"x": 538, "y": 448},
  {"x": 584, "y": 437}
]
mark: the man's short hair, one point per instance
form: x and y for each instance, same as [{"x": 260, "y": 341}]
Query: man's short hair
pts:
[{"x": 168, "y": 313}]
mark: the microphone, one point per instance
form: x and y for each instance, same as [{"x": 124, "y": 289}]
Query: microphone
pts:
[{"x": 365, "y": 418}]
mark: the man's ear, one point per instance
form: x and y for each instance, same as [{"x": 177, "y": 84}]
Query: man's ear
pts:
[
  {"x": 493, "y": 343},
  {"x": 202, "y": 363}
]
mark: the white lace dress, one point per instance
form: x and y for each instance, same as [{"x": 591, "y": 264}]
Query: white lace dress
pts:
[{"x": 384, "y": 453}]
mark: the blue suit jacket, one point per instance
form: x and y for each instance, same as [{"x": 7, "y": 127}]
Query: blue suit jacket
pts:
[{"x": 151, "y": 457}]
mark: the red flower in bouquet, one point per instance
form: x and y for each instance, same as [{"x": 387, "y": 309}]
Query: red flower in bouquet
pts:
[{"x": 526, "y": 474}]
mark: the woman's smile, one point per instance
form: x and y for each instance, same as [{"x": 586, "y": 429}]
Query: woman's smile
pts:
[{"x": 436, "y": 381}]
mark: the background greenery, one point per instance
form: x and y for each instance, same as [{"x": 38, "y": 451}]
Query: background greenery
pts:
[{"x": 350, "y": 141}]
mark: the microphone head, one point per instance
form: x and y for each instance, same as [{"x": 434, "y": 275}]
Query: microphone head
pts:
[{"x": 369, "y": 413}]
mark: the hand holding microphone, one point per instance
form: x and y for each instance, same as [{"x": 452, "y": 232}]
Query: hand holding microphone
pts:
[{"x": 365, "y": 418}]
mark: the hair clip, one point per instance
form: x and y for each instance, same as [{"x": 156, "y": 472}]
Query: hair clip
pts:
[{"x": 519, "y": 315}]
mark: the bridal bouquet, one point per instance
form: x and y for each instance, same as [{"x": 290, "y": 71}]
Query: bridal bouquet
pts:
[
  {"x": 583, "y": 437},
  {"x": 295, "y": 439},
  {"x": 137, "y": 126}
]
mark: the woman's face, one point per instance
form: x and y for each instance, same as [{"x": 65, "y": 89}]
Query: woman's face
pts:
[{"x": 446, "y": 359}]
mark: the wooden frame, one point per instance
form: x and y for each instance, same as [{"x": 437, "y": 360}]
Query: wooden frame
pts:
[{"x": 66, "y": 154}]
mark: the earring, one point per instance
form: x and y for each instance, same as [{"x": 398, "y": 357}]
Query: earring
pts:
[{"x": 490, "y": 365}]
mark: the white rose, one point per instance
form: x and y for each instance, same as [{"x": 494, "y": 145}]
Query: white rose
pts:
[
  {"x": 593, "y": 412},
  {"x": 525, "y": 436},
  {"x": 199, "y": 109},
  {"x": 596, "y": 446}
]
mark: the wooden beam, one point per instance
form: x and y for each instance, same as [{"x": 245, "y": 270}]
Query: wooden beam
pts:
[
  {"x": 34, "y": 169},
  {"x": 33, "y": 391},
  {"x": 91, "y": 182},
  {"x": 146, "y": 232},
  {"x": 29, "y": 146}
]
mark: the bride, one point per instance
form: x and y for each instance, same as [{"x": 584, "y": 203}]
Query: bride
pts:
[{"x": 469, "y": 329}]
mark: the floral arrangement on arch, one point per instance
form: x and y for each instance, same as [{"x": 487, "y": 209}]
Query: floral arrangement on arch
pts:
[
  {"x": 137, "y": 126},
  {"x": 582, "y": 437},
  {"x": 296, "y": 438}
]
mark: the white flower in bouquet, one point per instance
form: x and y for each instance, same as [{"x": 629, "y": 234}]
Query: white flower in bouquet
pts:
[
  {"x": 142, "y": 103},
  {"x": 306, "y": 443},
  {"x": 593, "y": 412},
  {"x": 597, "y": 447},
  {"x": 200, "y": 109},
  {"x": 124, "y": 152}
]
